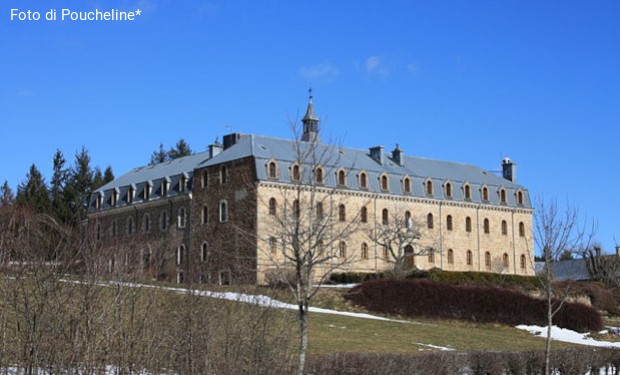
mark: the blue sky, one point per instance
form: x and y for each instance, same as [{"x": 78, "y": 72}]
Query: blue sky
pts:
[{"x": 465, "y": 81}]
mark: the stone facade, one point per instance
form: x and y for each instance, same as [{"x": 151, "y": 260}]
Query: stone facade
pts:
[{"x": 216, "y": 216}]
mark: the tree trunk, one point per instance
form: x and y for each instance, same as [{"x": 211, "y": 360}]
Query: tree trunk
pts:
[
  {"x": 549, "y": 325},
  {"x": 303, "y": 337}
]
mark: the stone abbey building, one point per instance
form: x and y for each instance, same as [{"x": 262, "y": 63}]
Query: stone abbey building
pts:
[{"x": 219, "y": 216}]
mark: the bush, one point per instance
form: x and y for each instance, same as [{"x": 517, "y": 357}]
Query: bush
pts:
[
  {"x": 473, "y": 303},
  {"x": 353, "y": 277}
]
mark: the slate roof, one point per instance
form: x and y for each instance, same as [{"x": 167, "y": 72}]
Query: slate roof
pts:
[
  {"x": 573, "y": 269},
  {"x": 283, "y": 151}
]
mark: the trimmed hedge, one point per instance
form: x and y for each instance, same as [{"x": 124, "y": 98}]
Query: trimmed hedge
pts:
[
  {"x": 473, "y": 303},
  {"x": 582, "y": 360}
]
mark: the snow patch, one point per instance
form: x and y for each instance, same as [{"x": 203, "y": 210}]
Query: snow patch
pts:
[{"x": 566, "y": 335}]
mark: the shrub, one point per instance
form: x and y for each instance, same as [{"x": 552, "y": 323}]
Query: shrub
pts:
[{"x": 474, "y": 303}]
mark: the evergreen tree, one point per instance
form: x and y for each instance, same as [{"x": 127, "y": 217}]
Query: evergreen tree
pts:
[
  {"x": 80, "y": 185},
  {"x": 33, "y": 192},
  {"x": 6, "y": 195},
  {"x": 60, "y": 207},
  {"x": 179, "y": 150},
  {"x": 159, "y": 156},
  {"x": 108, "y": 176}
]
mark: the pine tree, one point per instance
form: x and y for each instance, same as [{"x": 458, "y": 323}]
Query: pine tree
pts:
[
  {"x": 33, "y": 192},
  {"x": 79, "y": 186},
  {"x": 60, "y": 207},
  {"x": 179, "y": 150},
  {"x": 6, "y": 195},
  {"x": 108, "y": 176},
  {"x": 159, "y": 156}
]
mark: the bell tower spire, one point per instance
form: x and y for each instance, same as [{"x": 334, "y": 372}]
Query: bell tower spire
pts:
[{"x": 310, "y": 121}]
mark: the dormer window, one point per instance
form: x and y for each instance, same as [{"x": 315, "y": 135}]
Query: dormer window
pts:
[
  {"x": 130, "y": 195},
  {"x": 147, "y": 192},
  {"x": 407, "y": 185},
  {"x": 296, "y": 173},
  {"x": 272, "y": 170},
  {"x": 99, "y": 201},
  {"x": 520, "y": 198},
  {"x": 164, "y": 187},
  {"x": 448, "y": 190},
  {"x": 363, "y": 180},
  {"x": 385, "y": 183},
  {"x": 485, "y": 194},
  {"x": 182, "y": 183},
  {"x": 502, "y": 196},
  {"x": 318, "y": 175},
  {"x": 113, "y": 197},
  {"x": 342, "y": 178},
  {"x": 428, "y": 185},
  {"x": 467, "y": 192}
]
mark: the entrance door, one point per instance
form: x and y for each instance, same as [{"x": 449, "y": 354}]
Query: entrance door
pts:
[{"x": 409, "y": 258}]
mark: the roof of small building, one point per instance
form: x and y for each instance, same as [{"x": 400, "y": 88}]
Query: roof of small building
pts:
[{"x": 572, "y": 269}]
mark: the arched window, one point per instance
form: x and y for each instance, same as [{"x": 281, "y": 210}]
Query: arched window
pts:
[
  {"x": 364, "y": 215},
  {"x": 449, "y": 222},
  {"x": 485, "y": 194},
  {"x": 386, "y": 253},
  {"x": 113, "y": 229},
  {"x": 450, "y": 256},
  {"x": 468, "y": 224},
  {"x": 363, "y": 180},
  {"x": 318, "y": 174},
  {"x": 163, "y": 220},
  {"x": 429, "y": 187},
  {"x": 470, "y": 258},
  {"x": 273, "y": 206},
  {"x": 296, "y": 209},
  {"x": 180, "y": 254},
  {"x": 319, "y": 210},
  {"x": 364, "y": 251},
  {"x": 429, "y": 221},
  {"x": 181, "y": 217},
  {"x": 223, "y": 211},
  {"x": 273, "y": 245},
  {"x": 502, "y": 196},
  {"x": 448, "y": 188},
  {"x": 520, "y": 198},
  {"x": 342, "y": 249},
  {"x": 296, "y": 173},
  {"x": 504, "y": 228},
  {"x": 407, "y": 185},
  {"x": 385, "y": 184},
  {"x": 522, "y": 262},
  {"x": 204, "y": 180},
  {"x": 342, "y": 178},
  {"x": 130, "y": 225},
  {"x": 467, "y": 192},
  {"x": 204, "y": 251},
  {"x": 223, "y": 175},
  {"x": 273, "y": 170},
  {"x": 521, "y": 229},
  {"x": 431, "y": 255},
  {"x": 487, "y": 226},
  {"x": 205, "y": 214},
  {"x": 342, "y": 212},
  {"x": 146, "y": 223},
  {"x": 385, "y": 216},
  {"x": 487, "y": 259},
  {"x": 505, "y": 260}
]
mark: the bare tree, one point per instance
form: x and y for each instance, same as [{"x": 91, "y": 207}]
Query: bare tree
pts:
[
  {"x": 602, "y": 267},
  {"x": 399, "y": 239},
  {"x": 557, "y": 231},
  {"x": 306, "y": 234}
]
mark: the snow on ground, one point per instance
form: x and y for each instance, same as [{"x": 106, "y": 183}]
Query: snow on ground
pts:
[
  {"x": 566, "y": 335},
  {"x": 442, "y": 348}
]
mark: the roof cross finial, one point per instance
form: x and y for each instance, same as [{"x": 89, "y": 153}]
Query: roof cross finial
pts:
[{"x": 310, "y": 92}]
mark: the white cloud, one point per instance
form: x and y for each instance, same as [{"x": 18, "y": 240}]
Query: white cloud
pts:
[
  {"x": 324, "y": 71},
  {"x": 376, "y": 65}
]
